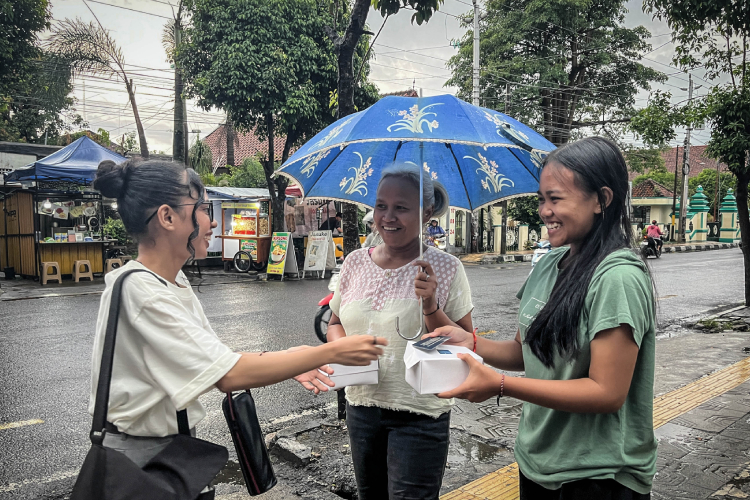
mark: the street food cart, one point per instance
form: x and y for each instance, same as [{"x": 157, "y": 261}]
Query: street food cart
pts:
[
  {"x": 51, "y": 214},
  {"x": 244, "y": 223}
]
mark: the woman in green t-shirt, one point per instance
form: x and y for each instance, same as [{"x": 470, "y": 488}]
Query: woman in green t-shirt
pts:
[{"x": 586, "y": 336}]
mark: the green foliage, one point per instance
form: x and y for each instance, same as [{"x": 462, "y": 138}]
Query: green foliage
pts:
[
  {"x": 642, "y": 160},
  {"x": 525, "y": 210},
  {"x": 662, "y": 177},
  {"x": 210, "y": 179},
  {"x": 249, "y": 174},
  {"x": 707, "y": 179},
  {"x": 199, "y": 158},
  {"x": 21, "y": 21},
  {"x": 569, "y": 64},
  {"x": 728, "y": 112},
  {"x": 423, "y": 9},
  {"x": 114, "y": 228}
]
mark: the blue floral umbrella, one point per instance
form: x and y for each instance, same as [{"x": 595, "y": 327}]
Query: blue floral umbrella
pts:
[{"x": 481, "y": 156}]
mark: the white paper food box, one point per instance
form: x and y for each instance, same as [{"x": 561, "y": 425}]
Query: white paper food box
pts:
[
  {"x": 344, "y": 376},
  {"x": 431, "y": 372}
]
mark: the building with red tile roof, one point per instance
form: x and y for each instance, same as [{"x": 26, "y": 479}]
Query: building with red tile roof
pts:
[{"x": 698, "y": 161}]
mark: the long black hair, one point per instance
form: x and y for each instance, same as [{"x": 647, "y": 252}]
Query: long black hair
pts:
[
  {"x": 596, "y": 163},
  {"x": 142, "y": 187}
]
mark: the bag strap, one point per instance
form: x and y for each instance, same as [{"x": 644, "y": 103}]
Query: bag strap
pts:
[{"x": 101, "y": 404}]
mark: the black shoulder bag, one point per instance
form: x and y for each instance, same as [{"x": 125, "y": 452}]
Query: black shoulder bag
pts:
[
  {"x": 180, "y": 472},
  {"x": 249, "y": 442}
]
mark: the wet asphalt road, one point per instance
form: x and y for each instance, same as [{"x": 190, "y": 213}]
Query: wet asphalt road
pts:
[{"x": 46, "y": 348}]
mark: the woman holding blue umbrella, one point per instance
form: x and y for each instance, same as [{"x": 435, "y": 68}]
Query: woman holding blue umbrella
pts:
[
  {"x": 586, "y": 340},
  {"x": 399, "y": 439}
]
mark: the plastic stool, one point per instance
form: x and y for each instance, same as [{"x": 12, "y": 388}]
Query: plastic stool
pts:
[
  {"x": 125, "y": 259},
  {"x": 112, "y": 264},
  {"x": 78, "y": 274},
  {"x": 54, "y": 276}
]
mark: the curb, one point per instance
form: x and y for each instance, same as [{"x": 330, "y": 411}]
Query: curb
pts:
[{"x": 501, "y": 259}]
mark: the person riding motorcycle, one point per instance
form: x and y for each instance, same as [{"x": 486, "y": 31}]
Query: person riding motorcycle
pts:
[
  {"x": 653, "y": 235},
  {"x": 434, "y": 232}
]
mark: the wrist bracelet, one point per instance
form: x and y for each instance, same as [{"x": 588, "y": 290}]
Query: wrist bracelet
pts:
[
  {"x": 262, "y": 353},
  {"x": 474, "y": 333},
  {"x": 433, "y": 312},
  {"x": 502, "y": 389}
]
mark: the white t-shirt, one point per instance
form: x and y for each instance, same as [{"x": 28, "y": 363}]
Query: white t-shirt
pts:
[{"x": 166, "y": 354}]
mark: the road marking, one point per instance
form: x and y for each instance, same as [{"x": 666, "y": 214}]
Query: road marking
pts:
[
  {"x": 666, "y": 297},
  {"x": 22, "y": 423},
  {"x": 503, "y": 483}
]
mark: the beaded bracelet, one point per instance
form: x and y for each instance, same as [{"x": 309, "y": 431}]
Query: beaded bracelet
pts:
[
  {"x": 474, "y": 333},
  {"x": 502, "y": 389}
]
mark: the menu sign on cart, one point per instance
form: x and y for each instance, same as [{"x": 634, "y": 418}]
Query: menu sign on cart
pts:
[
  {"x": 278, "y": 263},
  {"x": 251, "y": 247},
  {"x": 321, "y": 253}
]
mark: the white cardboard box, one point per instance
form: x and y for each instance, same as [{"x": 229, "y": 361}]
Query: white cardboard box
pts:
[
  {"x": 439, "y": 370},
  {"x": 344, "y": 376}
]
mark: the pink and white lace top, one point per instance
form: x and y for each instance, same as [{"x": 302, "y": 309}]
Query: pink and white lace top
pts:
[{"x": 369, "y": 299}]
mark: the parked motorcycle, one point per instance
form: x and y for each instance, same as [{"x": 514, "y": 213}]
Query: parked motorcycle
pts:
[
  {"x": 650, "y": 248},
  {"x": 541, "y": 248}
]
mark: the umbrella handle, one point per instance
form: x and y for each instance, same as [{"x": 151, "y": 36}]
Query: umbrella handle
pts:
[{"x": 421, "y": 237}]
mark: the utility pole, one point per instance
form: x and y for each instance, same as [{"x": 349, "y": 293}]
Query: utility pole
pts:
[
  {"x": 673, "y": 231},
  {"x": 180, "y": 134},
  {"x": 686, "y": 167}
]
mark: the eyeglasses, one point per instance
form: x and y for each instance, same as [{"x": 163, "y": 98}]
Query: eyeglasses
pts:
[{"x": 204, "y": 206}]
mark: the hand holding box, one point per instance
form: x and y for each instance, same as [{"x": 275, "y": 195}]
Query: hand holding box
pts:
[{"x": 439, "y": 370}]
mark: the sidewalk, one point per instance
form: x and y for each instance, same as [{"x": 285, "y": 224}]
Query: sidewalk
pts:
[
  {"x": 701, "y": 417},
  {"x": 26, "y": 289},
  {"x": 525, "y": 255}
]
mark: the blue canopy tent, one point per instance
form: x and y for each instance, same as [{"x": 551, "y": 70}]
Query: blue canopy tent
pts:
[
  {"x": 56, "y": 206},
  {"x": 77, "y": 162}
]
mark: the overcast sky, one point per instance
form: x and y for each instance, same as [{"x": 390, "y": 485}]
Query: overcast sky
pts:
[{"x": 406, "y": 55}]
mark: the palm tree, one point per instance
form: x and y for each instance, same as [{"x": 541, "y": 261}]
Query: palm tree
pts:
[{"x": 90, "y": 48}]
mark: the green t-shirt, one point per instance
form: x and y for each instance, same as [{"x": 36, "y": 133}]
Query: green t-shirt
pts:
[{"x": 555, "y": 447}]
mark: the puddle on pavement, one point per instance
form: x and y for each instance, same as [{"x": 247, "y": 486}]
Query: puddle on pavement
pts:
[
  {"x": 230, "y": 474},
  {"x": 463, "y": 449}
]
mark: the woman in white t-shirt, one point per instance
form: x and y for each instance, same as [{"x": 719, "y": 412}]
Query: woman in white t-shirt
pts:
[
  {"x": 399, "y": 439},
  {"x": 167, "y": 354}
]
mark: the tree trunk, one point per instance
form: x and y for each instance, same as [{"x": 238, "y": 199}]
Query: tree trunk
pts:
[
  {"x": 230, "y": 142},
  {"x": 179, "y": 152},
  {"x": 276, "y": 187},
  {"x": 138, "y": 124},
  {"x": 345, "y": 51},
  {"x": 744, "y": 219}
]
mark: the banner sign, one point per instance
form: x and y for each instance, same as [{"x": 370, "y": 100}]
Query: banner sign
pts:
[
  {"x": 251, "y": 247},
  {"x": 278, "y": 263},
  {"x": 321, "y": 254}
]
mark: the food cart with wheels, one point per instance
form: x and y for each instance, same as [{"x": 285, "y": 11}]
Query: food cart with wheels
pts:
[
  {"x": 244, "y": 223},
  {"x": 51, "y": 214}
]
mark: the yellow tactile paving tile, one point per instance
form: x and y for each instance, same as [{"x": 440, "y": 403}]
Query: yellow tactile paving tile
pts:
[{"x": 503, "y": 483}]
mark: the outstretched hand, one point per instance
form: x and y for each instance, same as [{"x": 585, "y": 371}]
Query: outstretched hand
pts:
[
  {"x": 458, "y": 336},
  {"x": 482, "y": 383},
  {"x": 315, "y": 380}
]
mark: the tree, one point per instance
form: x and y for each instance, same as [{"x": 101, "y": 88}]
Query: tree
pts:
[
  {"x": 708, "y": 179},
  {"x": 33, "y": 113},
  {"x": 714, "y": 36},
  {"x": 272, "y": 72},
  {"x": 345, "y": 46},
  {"x": 525, "y": 210},
  {"x": 200, "y": 158},
  {"x": 20, "y": 22},
  {"x": 249, "y": 174},
  {"x": 89, "y": 48},
  {"x": 567, "y": 64},
  {"x": 642, "y": 160}
]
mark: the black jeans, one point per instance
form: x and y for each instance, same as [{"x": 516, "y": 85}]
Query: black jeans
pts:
[
  {"x": 397, "y": 455},
  {"x": 585, "y": 489}
]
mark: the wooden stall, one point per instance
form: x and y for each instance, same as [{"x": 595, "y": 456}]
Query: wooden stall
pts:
[
  {"x": 17, "y": 249},
  {"x": 246, "y": 225}
]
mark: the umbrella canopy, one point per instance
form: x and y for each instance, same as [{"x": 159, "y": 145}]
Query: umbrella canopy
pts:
[
  {"x": 480, "y": 155},
  {"x": 76, "y": 162}
]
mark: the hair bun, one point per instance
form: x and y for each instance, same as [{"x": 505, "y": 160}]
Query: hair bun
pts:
[{"x": 111, "y": 179}]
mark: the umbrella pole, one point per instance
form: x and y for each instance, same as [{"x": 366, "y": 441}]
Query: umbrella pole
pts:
[{"x": 420, "y": 168}]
